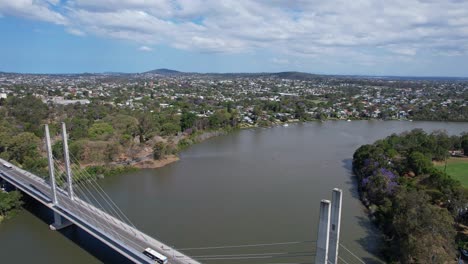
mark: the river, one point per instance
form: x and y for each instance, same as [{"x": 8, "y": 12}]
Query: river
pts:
[{"x": 249, "y": 187}]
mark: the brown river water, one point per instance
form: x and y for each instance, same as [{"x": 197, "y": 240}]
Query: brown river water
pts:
[{"x": 256, "y": 186}]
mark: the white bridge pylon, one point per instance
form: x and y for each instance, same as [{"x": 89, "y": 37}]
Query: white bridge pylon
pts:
[{"x": 328, "y": 235}]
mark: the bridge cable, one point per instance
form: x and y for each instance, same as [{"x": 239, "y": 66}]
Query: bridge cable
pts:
[
  {"x": 104, "y": 192},
  {"x": 359, "y": 259},
  {"x": 256, "y": 254},
  {"x": 81, "y": 214},
  {"x": 103, "y": 213},
  {"x": 83, "y": 194},
  {"x": 251, "y": 245},
  {"x": 105, "y": 200},
  {"x": 98, "y": 212},
  {"x": 340, "y": 258},
  {"x": 89, "y": 179},
  {"x": 108, "y": 229},
  {"x": 294, "y": 263},
  {"x": 255, "y": 257},
  {"x": 113, "y": 211}
]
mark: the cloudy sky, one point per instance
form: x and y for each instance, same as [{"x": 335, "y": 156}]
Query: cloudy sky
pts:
[{"x": 368, "y": 37}]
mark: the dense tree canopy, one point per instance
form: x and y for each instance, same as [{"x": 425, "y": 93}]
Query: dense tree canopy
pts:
[
  {"x": 9, "y": 201},
  {"x": 414, "y": 204}
]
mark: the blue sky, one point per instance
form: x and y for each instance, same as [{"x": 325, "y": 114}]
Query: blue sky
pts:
[{"x": 367, "y": 37}]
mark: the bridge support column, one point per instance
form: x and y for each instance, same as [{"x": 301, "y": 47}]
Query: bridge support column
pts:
[
  {"x": 335, "y": 226},
  {"x": 323, "y": 234},
  {"x": 67, "y": 161},
  {"x": 5, "y": 186},
  {"x": 2, "y": 185},
  {"x": 60, "y": 222}
]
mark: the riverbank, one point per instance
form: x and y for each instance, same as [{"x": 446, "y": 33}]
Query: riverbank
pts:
[
  {"x": 144, "y": 159},
  {"x": 154, "y": 164}
]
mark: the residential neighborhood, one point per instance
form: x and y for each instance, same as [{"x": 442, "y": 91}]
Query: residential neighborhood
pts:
[{"x": 260, "y": 99}]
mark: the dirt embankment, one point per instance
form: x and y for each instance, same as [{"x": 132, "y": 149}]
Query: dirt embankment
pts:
[
  {"x": 153, "y": 164},
  {"x": 136, "y": 154},
  {"x": 207, "y": 135}
]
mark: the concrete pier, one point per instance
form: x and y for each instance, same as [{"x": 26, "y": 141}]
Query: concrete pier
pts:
[{"x": 59, "y": 222}]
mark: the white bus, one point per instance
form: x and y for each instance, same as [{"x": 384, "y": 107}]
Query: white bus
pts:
[{"x": 152, "y": 254}]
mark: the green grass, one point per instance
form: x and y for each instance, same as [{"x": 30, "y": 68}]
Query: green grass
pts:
[{"x": 458, "y": 169}]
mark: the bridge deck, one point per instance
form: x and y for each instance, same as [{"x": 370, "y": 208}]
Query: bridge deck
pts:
[{"x": 127, "y": 240}]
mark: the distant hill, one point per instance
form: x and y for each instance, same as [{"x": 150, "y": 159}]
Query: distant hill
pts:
[
  {"x": 116, "y": 73},
  {"x": 295, "y": 75},
  {"x": 164, "y": 72},
  {"x": 281, "y": 75},
  {"x": 291, "y": 75}
]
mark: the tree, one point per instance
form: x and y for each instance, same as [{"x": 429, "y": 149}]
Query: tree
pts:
[
  {"x": 9, "y": 201},
  {"x": 219, "y": 119},
  {"x": 418, "y": 162},
  {"x": 78, "y": 128},
  {"x": 146, "y": 125},
  {"x": 187, "y": 120},
  {"x": 23, "y": 145},
  {"x": 442, "y": 144},
  {"x": 464, "y": 145},
  {"x": 30, "y": 110},
  {"x": 299, "y": 111},
  {"x": 425, "y": 232},
  {"x": 125, "y": 124},
  {"x": 37, "y": 165},
  {"x": 159, "y": 150},
  {"x": 170, "y": 128},
  {"x": 76, "y": 149},
  {"x": 57, "y": 149},
  {"x": 100, "y": 130}
]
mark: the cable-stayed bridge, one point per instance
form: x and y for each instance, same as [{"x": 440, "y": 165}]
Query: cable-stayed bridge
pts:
[
  {"x": 86, "y": 205},
  {"x": 76, "y": 198}
]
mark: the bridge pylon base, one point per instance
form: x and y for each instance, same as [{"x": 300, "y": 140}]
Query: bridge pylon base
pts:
[{"x": 59, "y": 222}]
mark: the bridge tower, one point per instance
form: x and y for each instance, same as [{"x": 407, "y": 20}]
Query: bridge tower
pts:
[
  {"x": 328, "y": 235},
  {"x": 50, "y": 159},
  {"x": 67, "y": 161},
  {"x": 336, "y": 203},
  {"x": 323, "y": 235},
  {"x": 59, "y": 221}
]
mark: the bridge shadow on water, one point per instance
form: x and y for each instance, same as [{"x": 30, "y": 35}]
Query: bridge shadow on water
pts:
[
  {"x": 372, "y": 241},
  {"x": 79, "y": 237}
]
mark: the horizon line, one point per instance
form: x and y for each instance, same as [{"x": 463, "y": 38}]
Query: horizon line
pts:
[{"x": 220, "y": 73}]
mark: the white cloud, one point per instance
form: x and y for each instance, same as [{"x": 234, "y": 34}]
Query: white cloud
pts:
[
  {"x": 301, "y": 28},
  {"x": 145, "y": 48},
  {"x": 32, "y": 9},
  {"x": 75, "y": 32}
]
